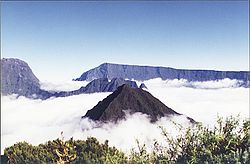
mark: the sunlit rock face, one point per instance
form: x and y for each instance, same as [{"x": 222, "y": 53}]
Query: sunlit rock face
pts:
[
  {"x": 18, "y": 78},
  {"x": 141, "y": 73}
]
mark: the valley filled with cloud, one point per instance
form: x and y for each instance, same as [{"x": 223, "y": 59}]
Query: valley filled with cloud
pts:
[{"x": 37, "y": 121}]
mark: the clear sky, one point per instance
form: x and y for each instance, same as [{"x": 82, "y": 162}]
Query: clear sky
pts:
[{"x": 61, "y": 40}]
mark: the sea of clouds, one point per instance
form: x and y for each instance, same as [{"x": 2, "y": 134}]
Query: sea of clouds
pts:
[
  {"x": 37, "y": 121},
  {"x": 67, "y": 85}
]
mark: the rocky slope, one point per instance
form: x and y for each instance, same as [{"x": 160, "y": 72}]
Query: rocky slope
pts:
[
  {"x": 99, "y": 85},
  {"x": 110, "y": 71},
  {"x": 126, "y": 99},
  {"x": 18, "y": 78}
]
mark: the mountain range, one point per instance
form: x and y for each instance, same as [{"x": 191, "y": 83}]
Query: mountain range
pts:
[
  {"x": 141, "y": 73},
  {"x": 18, "y": 78},
  {"x": 98, "y": 85}
]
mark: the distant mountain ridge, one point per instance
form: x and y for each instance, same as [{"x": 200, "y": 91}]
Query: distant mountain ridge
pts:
[
  {"x": 108, "y": 70},
  {"x": 18, "y": 78},
  {"x": 98, "y": 85}
]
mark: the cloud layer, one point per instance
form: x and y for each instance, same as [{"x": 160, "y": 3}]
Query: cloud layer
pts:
[
  {"x": 217, "y": 84},
  {"x": 205, "y": 102},
  {"x": 62, "y": 85},
  {"x": 37, "y": 121}
]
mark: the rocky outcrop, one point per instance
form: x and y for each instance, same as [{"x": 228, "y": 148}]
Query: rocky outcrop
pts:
[
  {"x": 143, "y": 86},
  {"x": 18, "y": 78},
  {"x": 141, "y": 73},
  {"x": 126, "y": 99}
]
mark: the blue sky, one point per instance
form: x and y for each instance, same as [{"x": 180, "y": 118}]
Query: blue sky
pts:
[{"x": 61, "y": 40}]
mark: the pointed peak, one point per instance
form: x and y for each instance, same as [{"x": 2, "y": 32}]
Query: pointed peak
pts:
[
  {"x": 126, "y": 98},
  {"x": 124, "y": 87},
  {"x": 143, "y": 86}
]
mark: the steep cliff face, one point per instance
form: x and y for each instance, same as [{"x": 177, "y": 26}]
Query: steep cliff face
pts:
[
  {"x": 18, "y": 78},
  {"x": 110, "y": 71},
  {"x": 131, "y": 100}
]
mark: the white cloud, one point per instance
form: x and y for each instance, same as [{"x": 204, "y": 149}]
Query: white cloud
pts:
[
  {"x": 217, "y": 84},
  {"x": 137, "y": 126},
  {"x": 62, "y": 85},
  {"x": 202, "y": 104},
  {"x": 37, "y": 121}
]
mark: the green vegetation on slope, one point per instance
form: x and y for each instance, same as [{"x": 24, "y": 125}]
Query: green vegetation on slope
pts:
[
  {"x": 227, "y": 142},
  {"x": 89, "y": 151}
]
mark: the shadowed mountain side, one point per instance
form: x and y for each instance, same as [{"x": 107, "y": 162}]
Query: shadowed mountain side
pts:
[
  {"x": 132, "y": 100},
  {"x": 141, "y": 73},
  {"x": 98, "y": 85}
]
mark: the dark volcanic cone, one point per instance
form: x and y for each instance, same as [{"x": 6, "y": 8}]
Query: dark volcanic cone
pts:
[{"x": 132, "y": 100}]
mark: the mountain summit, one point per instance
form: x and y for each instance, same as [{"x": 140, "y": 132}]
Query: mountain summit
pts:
[
  {"x": 126, "y": 99},
  {"x": 18, "y": 78},
  {"x": 141, "y": 73}
]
